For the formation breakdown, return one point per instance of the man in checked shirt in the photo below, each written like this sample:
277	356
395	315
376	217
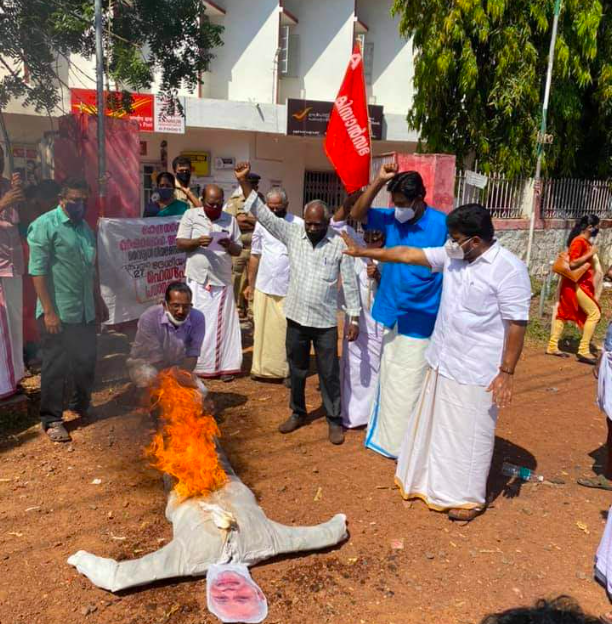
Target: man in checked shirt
316	261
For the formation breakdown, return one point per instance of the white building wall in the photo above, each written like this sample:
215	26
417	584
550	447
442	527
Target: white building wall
243	69
325	31
393	68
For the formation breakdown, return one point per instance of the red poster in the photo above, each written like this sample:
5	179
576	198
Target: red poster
143	107
347	143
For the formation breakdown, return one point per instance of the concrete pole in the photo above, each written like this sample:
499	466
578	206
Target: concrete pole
100	104
541	137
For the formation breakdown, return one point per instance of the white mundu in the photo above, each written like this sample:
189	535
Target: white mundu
446	453
271	286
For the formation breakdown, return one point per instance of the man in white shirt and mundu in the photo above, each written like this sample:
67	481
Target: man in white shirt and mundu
476	344
268	283
211	237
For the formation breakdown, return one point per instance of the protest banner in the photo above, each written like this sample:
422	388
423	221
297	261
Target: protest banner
138	258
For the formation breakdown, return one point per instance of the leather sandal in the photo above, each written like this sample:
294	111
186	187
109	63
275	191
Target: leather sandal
465	515
560	354
57	432
586	360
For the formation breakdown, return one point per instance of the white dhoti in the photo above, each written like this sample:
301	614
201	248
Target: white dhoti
221	352
603	558
402	371
359	369
446	454
11	334
269	349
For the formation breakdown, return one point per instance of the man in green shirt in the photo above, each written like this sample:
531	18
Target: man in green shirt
63	268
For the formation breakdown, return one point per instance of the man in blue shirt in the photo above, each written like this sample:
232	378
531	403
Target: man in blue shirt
406	302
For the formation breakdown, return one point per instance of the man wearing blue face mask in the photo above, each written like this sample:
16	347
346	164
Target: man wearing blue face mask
63	269
406	302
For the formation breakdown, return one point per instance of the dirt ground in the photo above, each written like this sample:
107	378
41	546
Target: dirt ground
535	540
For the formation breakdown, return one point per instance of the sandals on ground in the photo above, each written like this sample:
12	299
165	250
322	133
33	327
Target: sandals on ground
560	354
57	432
466	515
599	482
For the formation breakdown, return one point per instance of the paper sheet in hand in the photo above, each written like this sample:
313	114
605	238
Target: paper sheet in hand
216	237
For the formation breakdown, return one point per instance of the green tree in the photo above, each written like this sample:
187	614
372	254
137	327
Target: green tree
142	38
480	67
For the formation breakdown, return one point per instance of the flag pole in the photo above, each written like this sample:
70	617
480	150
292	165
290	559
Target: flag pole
542	133
100	105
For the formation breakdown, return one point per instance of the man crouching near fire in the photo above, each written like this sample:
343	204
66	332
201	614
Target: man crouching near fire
169	335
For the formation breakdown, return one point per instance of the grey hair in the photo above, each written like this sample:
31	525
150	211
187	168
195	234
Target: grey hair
319	202
277	191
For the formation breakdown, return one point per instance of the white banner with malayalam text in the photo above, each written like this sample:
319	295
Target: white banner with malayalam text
138	258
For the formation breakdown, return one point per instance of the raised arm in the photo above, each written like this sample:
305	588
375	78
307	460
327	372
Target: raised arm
404	255
359	211
279	228
344	212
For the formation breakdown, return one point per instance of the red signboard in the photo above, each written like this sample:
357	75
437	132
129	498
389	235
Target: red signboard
143	107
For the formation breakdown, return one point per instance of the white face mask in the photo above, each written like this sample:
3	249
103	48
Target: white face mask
404	214
175	321
454	250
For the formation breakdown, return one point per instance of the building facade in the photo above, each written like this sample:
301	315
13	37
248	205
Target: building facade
275	53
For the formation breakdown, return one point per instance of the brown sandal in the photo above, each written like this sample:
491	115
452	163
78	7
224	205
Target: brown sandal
57	432
465	515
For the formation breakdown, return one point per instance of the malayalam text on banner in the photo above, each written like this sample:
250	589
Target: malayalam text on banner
138	258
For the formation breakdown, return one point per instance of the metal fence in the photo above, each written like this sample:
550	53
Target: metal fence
570	199
502	196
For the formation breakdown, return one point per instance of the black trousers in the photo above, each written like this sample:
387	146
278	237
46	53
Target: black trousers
325	342
71	354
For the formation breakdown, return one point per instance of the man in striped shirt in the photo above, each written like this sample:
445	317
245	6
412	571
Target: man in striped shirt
316	261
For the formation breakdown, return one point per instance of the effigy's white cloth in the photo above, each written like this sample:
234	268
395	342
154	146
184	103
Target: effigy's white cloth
221	352
201	537
360	363
446	454
402	371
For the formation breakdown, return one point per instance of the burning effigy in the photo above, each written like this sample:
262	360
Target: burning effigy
215	517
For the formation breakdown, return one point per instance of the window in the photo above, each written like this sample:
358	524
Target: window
289	53
367	49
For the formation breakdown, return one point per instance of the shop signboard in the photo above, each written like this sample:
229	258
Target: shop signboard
147	109
309	118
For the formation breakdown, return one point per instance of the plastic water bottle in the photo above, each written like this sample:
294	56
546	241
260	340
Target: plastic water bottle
510	470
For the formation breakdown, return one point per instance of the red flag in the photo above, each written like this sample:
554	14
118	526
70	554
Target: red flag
347	143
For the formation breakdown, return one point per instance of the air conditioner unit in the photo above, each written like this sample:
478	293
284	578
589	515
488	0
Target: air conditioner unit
222	162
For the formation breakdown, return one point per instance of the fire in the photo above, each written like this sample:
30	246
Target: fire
185	445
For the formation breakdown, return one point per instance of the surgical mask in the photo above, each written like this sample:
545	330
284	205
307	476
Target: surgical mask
75	210
213	212
404	215
174	320
184	177
165	194
454	250
316	237
281	214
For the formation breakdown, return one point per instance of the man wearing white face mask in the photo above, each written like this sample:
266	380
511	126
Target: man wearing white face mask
406	302
476	344
169	334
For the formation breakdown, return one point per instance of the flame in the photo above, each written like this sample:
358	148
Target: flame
185	446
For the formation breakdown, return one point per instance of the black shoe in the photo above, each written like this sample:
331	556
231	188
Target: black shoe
586	360
336	434
291	424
